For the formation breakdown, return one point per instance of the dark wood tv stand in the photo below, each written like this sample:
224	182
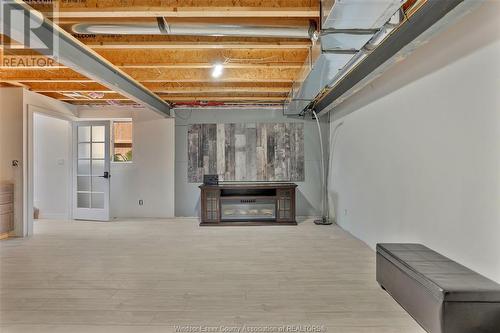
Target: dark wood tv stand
235	203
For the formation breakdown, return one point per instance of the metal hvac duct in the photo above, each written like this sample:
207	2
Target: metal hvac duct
377	56
351	29
194	29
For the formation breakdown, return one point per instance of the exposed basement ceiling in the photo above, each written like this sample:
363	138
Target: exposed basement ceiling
279	52
178	68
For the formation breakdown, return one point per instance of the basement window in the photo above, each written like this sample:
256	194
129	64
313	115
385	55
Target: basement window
122	141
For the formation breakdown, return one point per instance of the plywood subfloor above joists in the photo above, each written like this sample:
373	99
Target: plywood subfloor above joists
179	68
154	58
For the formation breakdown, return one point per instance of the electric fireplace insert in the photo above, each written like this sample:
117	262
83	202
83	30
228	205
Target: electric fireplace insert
235	203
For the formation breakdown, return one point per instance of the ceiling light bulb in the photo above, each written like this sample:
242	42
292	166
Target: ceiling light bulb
217	70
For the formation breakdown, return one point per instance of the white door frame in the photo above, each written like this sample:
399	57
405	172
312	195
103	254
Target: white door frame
28	170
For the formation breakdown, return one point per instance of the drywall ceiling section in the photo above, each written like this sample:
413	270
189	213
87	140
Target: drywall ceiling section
358	14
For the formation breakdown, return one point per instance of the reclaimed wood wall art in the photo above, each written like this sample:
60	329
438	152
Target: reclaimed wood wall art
246	152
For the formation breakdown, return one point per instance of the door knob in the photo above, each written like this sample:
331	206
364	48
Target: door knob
106	175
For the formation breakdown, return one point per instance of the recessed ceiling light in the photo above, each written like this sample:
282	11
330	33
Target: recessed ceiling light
217	70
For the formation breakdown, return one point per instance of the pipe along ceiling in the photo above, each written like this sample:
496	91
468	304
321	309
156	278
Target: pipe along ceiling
162	27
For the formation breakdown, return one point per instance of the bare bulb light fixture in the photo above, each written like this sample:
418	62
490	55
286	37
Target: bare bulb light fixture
217	70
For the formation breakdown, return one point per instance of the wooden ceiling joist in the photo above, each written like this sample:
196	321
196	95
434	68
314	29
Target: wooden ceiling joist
128	103
239	58
166	87
189	99
67	22
192	43
13	84
183	91
189	8
158	75
225	98
231	57
189	42
185	96
188	12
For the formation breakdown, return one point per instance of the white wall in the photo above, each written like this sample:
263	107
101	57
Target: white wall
11	146
34	103
52	166
17	105
418	156
150	177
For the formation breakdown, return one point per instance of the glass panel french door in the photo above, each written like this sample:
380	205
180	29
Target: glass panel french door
91	165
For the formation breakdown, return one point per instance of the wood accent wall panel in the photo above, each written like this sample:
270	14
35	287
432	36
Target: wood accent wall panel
246	151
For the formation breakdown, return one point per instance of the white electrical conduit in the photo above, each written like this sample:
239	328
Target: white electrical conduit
324	193
325	209
333	141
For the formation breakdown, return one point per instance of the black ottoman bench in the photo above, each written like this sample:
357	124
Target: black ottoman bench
440	294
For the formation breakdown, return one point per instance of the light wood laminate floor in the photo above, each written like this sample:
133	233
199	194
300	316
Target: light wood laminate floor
151	275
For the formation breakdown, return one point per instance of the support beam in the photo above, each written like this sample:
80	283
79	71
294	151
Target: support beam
74	54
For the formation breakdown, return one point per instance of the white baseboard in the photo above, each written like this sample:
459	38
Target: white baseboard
299	218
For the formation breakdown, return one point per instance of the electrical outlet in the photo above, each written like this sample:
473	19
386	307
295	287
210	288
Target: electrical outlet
345	212
141	202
